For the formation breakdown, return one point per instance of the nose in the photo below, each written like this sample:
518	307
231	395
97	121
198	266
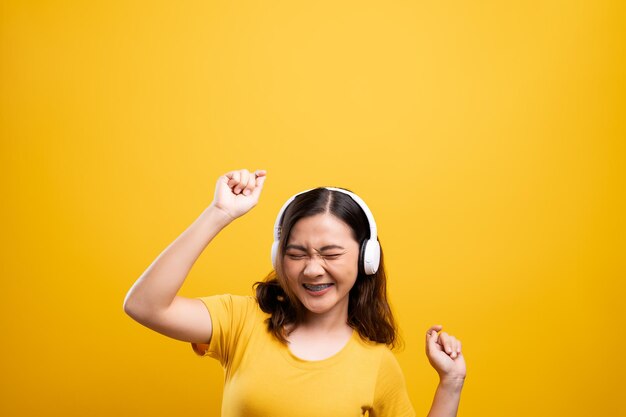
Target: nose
313	267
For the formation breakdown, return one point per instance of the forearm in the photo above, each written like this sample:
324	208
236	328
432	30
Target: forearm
158	285
447	398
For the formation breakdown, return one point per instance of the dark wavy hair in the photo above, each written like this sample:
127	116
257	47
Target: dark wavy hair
369	312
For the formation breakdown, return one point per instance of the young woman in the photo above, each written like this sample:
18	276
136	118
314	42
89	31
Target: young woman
316	338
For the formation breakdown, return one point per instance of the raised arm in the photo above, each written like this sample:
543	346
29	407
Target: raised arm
153	300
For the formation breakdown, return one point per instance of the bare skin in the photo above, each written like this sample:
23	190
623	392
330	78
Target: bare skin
153	300
320	250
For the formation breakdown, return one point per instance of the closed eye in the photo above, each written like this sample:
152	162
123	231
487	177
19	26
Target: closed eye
299	256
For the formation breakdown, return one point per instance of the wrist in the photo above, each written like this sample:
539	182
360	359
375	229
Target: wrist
218	215
452	383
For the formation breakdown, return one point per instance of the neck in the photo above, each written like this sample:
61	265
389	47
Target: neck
329	322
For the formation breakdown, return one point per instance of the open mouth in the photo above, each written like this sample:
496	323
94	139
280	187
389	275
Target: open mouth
316	288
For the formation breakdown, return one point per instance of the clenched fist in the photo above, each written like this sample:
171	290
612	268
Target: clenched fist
237	192
444	353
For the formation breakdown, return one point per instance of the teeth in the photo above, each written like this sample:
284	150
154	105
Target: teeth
316	287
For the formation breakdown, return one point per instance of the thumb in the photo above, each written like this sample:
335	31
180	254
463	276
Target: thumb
432	334
260	176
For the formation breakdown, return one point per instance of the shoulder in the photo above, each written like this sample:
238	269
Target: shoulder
370	346
231	306
233	318
230	301
378	354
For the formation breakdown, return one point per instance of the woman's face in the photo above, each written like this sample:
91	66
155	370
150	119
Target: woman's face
321	263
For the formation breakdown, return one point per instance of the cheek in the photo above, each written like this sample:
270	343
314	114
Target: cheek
352	262
290	270
348	267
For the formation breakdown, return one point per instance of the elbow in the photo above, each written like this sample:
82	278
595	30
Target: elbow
126	307
139	311
130	307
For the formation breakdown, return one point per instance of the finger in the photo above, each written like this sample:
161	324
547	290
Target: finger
250	185
233	179
445	340
260	176
243	181
431	334
451	344
434	328
454	346
432	337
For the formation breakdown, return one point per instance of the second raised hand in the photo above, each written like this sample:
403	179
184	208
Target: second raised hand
444	354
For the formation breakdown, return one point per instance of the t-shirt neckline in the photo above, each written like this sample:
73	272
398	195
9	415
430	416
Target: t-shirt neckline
321	363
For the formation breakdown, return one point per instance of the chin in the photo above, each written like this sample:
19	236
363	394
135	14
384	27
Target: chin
317	309
320	306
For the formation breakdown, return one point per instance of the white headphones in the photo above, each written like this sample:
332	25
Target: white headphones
369	255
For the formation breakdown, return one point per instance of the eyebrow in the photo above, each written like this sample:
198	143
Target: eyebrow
302	248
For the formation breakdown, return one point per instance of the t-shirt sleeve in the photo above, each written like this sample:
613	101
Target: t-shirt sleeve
391	398
229	315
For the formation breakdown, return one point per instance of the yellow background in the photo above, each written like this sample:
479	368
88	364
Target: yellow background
487	137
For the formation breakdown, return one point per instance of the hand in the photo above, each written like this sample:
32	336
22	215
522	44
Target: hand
444	354
237	192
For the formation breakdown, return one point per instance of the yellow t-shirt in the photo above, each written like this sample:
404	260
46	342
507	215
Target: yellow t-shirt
264	379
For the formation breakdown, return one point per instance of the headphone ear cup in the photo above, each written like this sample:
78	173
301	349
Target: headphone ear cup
274	253
371	256
362	257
